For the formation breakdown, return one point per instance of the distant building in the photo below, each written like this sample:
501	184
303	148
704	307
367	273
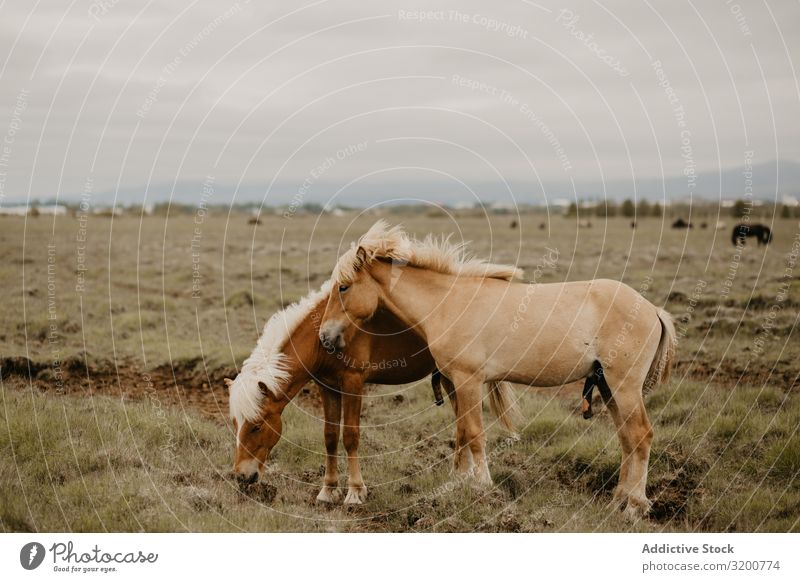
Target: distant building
107	211
19	210
25	209
788	200
52	209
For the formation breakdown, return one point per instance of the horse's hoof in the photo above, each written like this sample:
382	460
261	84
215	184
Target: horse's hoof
328	495
356	495
461	473
637	508
484	482
619	499
481	479
463	468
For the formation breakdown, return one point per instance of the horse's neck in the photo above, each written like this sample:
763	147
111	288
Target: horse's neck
413	294
302	351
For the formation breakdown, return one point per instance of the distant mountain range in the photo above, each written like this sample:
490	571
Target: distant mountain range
771	181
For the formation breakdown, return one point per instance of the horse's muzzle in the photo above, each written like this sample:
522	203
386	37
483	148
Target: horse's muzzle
332	337
247	479
246	471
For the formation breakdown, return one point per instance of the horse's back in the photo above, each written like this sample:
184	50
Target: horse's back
557	331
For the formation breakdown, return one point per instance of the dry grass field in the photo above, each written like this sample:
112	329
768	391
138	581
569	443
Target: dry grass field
114	416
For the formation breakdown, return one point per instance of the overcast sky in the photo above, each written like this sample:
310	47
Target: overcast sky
117	94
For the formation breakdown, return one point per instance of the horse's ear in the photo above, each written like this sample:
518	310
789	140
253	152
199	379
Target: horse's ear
361	258
228	383
267	392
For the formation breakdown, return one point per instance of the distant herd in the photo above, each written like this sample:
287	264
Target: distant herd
741	231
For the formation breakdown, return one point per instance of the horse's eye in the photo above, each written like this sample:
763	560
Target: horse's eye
343	288
256	428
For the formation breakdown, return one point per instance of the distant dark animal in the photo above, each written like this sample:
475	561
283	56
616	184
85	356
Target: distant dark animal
542	226
513	224
254	220
704	225
741	231
681	223
633	224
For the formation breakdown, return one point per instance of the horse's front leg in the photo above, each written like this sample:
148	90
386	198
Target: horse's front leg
332	406
462	457
469	423
352	389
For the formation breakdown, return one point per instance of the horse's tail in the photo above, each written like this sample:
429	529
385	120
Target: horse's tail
503	403
662	361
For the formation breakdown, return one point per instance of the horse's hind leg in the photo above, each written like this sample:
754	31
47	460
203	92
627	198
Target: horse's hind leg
635	435
351	406
621	490
332	406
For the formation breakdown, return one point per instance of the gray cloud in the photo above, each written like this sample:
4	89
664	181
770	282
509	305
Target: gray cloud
476	92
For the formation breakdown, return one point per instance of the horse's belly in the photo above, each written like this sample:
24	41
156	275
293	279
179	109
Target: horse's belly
550	343
541	335
542	367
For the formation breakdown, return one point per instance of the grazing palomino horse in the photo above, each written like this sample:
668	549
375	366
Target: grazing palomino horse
742	231
289	355
487	330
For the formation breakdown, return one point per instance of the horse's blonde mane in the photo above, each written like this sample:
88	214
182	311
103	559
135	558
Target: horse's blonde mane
437	254
267	362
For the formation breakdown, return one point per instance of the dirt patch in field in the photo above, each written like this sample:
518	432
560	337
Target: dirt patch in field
673	492
260	492
782	373
187	385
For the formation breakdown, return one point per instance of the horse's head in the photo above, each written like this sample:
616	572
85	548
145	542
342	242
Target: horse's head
257	433
353	300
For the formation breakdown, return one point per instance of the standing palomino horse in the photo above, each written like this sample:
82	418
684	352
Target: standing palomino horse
485	330
289	355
